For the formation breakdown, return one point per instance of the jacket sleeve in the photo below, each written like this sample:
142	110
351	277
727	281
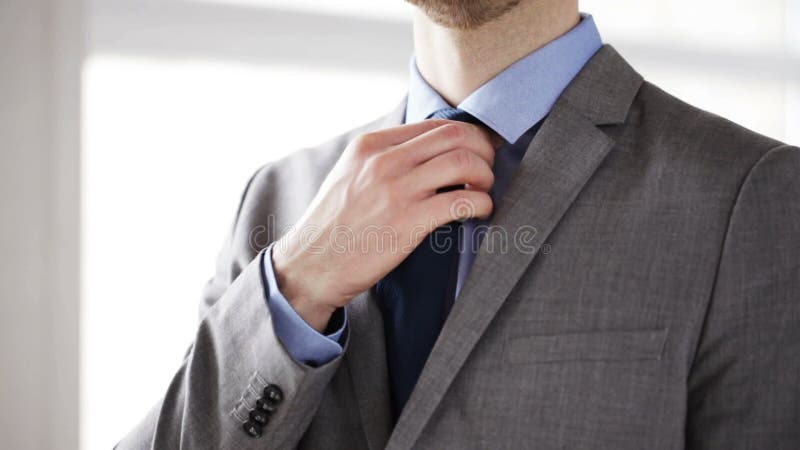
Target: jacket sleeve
303	342
744	385
238	386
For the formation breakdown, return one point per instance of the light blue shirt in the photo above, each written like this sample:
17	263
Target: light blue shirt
510	104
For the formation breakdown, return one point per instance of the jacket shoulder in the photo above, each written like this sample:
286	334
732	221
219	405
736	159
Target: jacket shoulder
675	157
678	122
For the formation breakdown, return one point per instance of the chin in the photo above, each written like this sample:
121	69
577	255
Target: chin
460	14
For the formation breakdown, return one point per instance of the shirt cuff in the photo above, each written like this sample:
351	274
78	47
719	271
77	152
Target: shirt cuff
304	343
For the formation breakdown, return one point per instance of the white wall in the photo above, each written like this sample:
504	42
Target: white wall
40	49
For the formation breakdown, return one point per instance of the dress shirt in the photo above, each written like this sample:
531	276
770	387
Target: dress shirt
511	104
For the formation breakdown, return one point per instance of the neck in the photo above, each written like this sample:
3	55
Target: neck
456	62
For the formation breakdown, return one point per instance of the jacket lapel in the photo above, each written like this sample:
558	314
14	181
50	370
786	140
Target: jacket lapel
562	157
366	363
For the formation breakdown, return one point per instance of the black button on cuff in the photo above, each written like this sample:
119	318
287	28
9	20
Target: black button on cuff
265	406
252	429
273	395
259	416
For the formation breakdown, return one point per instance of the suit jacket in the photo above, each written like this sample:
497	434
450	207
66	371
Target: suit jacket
652	302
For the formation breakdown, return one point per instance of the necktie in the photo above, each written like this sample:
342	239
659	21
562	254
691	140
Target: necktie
416	297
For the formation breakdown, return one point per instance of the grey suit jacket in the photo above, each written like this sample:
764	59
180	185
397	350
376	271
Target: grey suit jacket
652	303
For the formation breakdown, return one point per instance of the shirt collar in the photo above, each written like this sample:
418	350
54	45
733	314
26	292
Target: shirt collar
522	94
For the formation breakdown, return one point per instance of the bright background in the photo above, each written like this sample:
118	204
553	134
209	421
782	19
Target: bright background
184	100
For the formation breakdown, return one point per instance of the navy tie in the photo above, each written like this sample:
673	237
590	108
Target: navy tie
416	297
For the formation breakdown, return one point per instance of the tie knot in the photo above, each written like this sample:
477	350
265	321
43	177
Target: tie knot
454	114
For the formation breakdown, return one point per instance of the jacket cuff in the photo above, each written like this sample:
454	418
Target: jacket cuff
304	343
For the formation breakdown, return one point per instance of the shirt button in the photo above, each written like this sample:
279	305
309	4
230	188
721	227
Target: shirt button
259	416
253	429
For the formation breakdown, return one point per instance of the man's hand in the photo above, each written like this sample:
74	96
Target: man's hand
377	204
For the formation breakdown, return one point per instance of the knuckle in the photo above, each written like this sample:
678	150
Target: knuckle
379	165
454	131
463	206
461	159
363	142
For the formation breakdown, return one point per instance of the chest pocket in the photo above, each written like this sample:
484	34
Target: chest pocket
586	346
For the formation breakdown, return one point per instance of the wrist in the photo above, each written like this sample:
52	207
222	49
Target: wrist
315	314
297	288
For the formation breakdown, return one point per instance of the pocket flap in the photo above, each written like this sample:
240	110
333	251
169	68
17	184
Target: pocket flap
592	346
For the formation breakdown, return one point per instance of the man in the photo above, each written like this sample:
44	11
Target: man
627	274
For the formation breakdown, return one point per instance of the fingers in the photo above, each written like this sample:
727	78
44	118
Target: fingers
447	135
455	167
455	205
387	137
